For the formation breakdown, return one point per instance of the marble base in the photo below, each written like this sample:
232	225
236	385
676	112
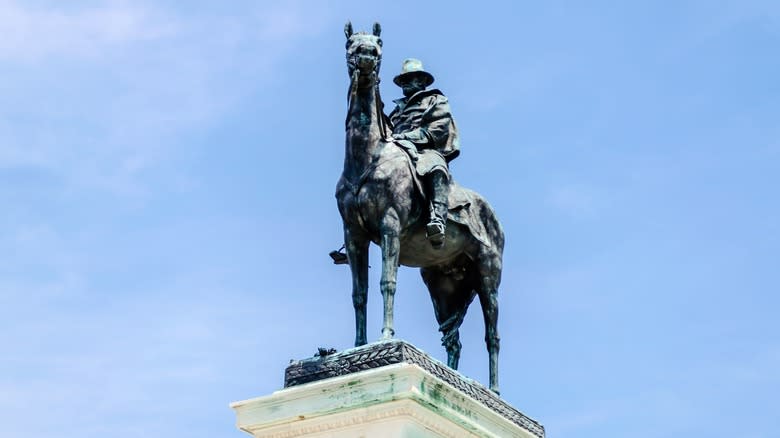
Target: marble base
399	399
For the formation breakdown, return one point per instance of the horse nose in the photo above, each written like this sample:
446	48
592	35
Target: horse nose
365	61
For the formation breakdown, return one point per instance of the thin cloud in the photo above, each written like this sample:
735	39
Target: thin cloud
104	97
34	33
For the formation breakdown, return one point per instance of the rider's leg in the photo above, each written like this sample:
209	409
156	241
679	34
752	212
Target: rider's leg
439	183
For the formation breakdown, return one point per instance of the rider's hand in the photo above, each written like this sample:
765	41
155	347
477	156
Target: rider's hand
413	153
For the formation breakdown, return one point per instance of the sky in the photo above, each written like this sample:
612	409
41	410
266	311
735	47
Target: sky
167	178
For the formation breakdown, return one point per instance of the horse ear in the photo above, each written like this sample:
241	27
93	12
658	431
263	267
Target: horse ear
377	29
348	29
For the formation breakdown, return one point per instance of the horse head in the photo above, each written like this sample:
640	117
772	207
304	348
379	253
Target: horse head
364	55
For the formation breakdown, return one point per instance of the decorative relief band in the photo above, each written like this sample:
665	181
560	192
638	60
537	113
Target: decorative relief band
351	420
392	352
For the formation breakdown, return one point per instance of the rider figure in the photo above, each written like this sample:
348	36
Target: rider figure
423	125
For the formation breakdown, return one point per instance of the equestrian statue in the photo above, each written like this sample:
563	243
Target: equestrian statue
396	190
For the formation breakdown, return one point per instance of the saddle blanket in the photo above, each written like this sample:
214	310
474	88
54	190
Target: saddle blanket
463	204
464	210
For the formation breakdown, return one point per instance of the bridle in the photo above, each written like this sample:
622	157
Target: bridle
354	85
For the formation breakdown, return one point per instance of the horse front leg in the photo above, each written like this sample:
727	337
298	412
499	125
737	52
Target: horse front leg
391	245
357	254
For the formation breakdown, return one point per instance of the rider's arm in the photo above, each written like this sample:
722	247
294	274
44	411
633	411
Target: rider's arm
421	136
437	123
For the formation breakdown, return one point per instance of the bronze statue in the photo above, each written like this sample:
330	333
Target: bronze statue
382	199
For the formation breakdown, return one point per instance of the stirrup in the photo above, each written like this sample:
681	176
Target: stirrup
339	258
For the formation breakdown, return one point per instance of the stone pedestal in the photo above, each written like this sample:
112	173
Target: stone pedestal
382	390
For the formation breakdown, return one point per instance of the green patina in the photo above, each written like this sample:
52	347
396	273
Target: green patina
353	392
438	396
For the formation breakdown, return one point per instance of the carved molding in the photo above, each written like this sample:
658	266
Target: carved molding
400	409
385	353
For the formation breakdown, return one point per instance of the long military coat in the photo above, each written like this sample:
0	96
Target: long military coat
425	120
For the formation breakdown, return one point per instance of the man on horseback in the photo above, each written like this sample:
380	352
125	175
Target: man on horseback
423	125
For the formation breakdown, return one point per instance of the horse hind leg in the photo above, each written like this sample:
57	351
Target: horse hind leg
490	272
451	338
451	297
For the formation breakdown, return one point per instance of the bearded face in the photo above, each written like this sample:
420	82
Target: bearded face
413	85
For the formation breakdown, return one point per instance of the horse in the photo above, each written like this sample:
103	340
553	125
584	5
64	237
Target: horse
380	201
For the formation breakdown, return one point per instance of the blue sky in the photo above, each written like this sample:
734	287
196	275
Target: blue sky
167	172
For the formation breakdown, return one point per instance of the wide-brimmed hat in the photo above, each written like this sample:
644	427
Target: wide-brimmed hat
412	68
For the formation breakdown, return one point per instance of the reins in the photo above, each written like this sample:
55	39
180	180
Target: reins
353	87
380	114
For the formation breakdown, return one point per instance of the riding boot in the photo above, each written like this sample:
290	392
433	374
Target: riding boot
439	185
